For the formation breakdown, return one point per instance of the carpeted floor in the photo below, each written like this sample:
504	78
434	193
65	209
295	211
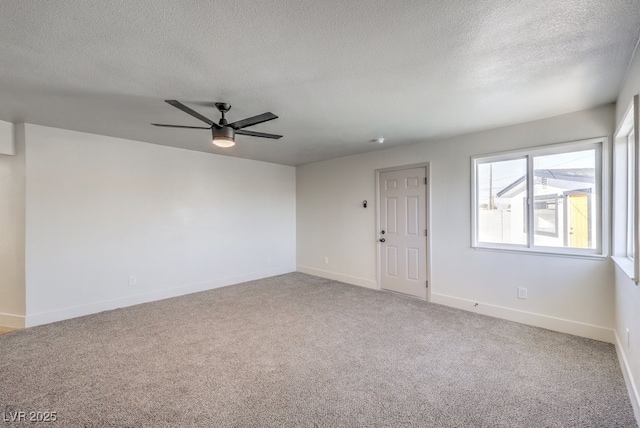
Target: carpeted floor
301	351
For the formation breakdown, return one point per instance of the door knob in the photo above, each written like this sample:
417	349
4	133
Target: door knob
382	239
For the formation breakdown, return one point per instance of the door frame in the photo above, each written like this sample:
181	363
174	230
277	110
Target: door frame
427	199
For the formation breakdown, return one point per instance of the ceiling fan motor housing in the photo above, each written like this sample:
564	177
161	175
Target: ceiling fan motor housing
225	132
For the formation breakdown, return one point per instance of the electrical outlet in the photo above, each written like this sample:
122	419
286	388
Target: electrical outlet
133	280
326	260
522	293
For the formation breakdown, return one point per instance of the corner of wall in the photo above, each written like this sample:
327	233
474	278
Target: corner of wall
348	279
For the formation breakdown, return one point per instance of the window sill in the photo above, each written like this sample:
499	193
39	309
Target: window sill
624	263
528	251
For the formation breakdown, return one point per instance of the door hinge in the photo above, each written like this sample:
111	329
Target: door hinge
426	232
427	284
425	180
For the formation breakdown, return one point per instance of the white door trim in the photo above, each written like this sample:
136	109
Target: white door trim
427	166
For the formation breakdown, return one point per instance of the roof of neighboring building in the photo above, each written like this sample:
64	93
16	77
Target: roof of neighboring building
581	175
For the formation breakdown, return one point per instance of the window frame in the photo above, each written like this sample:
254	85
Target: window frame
626	192
601	146
631	194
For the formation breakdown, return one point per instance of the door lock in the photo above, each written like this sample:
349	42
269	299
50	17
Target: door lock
383	232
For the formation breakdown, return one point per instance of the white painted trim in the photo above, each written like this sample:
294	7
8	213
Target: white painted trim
628	377
625	264
636	190
107	305
429	231
354	280
620	193
538	320
13	321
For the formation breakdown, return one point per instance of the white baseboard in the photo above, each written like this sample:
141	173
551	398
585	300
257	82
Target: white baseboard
628	377
13	321
354	280
552	323
106	305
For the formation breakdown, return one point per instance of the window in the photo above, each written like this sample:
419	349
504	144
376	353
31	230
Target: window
545	199
625	182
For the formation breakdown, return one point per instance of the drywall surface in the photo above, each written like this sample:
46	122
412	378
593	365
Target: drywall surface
7	140
567	294
12	233
103	212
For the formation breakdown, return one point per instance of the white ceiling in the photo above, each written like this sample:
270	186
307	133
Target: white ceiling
338	73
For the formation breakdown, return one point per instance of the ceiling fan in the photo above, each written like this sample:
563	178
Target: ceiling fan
223	132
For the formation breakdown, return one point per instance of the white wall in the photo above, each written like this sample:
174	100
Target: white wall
99	209
12	229
630	87
7	140
627	294
567	294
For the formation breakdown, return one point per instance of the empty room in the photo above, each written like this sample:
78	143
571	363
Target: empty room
320	214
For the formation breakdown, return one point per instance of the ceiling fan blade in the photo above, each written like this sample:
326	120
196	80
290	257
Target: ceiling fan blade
184	108
264	117
258	134
179	126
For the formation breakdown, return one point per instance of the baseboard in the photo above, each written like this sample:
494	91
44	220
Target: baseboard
107	305
354	280
552	323
13	321
628	378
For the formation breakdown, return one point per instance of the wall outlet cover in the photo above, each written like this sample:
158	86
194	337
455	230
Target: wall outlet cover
522	293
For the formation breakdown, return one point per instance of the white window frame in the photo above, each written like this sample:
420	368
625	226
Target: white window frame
631	194
601	146
626	201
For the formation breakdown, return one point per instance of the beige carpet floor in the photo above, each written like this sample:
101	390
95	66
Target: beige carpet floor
301	351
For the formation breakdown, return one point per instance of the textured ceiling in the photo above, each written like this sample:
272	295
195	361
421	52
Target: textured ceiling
338	74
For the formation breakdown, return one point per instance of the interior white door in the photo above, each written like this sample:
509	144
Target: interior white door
403	231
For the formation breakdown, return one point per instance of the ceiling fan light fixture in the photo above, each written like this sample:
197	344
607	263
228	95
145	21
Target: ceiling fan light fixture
224	142
224	137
